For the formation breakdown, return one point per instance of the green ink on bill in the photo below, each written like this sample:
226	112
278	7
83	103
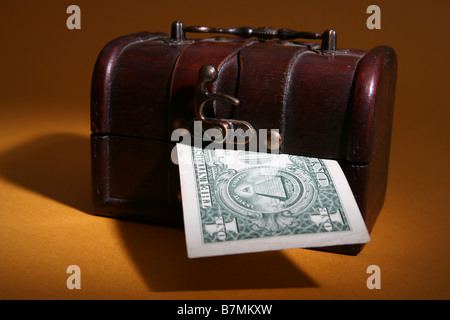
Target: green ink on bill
241	201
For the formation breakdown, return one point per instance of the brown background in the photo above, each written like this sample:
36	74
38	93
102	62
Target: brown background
45	207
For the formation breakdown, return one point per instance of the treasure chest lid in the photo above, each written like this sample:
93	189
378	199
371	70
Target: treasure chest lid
336	106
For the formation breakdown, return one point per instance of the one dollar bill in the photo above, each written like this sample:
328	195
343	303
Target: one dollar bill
241	201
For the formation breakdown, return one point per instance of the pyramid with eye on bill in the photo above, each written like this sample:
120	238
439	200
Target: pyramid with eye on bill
272	188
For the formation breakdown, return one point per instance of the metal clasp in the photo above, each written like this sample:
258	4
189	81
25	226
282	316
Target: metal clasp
232	131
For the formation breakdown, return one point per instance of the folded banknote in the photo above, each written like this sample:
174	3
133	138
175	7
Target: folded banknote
241	201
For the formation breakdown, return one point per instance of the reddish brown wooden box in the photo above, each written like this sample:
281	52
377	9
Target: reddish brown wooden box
335	105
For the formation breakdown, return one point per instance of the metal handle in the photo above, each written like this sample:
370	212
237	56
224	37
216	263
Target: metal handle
328	37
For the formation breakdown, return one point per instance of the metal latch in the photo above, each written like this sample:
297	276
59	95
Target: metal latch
241	130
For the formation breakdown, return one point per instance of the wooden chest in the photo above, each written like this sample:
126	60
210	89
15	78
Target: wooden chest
324	101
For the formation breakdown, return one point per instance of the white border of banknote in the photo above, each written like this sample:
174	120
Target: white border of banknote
193	226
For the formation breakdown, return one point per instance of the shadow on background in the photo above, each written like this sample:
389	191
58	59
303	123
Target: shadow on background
161	257
59	166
